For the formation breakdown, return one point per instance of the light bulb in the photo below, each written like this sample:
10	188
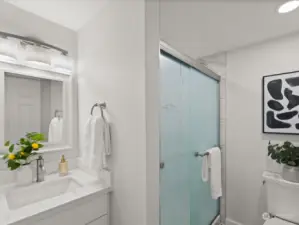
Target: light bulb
8	50
288	6
62	64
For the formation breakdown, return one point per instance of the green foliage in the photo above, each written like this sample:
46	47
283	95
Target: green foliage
12	164
20	153
34	136
285	153
11	148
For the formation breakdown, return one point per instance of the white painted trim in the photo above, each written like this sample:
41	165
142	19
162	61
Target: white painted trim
23	70
231	222
51	152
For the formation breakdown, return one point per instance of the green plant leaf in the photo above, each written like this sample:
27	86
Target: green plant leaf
5	156
13	165
7	143
285	153
40	145
22	141
34	136
11	148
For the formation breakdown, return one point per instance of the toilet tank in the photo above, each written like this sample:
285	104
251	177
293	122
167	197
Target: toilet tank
282	197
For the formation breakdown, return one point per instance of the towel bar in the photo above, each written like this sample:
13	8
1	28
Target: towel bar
196	154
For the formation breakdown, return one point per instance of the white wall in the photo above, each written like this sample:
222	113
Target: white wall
113	64
246	145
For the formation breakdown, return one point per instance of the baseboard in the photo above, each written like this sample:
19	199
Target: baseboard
231	222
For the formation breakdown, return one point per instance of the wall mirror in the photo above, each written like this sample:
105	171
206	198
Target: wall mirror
33	105
35	101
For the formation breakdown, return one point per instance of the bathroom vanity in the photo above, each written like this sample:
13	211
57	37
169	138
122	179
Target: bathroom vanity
33	99
76	199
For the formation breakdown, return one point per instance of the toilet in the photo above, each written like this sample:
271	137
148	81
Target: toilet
282	200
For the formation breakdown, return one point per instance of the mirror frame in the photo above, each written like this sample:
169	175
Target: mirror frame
69	106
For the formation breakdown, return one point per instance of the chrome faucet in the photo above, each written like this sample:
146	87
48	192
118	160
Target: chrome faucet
40	169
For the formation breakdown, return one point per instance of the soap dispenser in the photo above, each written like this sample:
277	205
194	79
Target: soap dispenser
63	166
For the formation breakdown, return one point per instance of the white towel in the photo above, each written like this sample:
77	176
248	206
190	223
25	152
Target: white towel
213	162
86	150
102	143
55	130
97	144
205	168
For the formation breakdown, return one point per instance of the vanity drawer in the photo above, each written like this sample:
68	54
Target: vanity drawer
100	221
90	211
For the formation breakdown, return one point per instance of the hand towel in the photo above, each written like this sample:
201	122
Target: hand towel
205	168
101	143
212	163
55	133
85	152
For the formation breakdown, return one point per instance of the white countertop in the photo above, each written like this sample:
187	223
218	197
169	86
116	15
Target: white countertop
89	186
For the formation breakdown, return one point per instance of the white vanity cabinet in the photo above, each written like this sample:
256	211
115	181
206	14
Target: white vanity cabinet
88	211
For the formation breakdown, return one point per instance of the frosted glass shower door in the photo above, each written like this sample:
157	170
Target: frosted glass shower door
189	123
174	176
203	134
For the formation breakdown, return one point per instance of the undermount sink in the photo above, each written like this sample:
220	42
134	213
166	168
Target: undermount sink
22	196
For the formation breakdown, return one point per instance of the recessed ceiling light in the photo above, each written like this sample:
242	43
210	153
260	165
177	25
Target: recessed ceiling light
288	6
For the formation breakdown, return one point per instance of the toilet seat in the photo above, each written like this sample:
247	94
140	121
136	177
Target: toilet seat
276	221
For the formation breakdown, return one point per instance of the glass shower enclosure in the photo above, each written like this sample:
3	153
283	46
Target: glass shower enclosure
189	123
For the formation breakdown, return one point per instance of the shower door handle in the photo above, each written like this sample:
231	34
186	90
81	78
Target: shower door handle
162	165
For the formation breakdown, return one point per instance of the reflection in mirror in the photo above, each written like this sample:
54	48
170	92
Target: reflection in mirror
33	105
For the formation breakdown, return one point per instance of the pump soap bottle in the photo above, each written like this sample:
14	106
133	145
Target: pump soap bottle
63	166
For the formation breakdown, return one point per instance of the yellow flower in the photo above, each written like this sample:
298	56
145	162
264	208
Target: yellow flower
35	146
22	153
11	156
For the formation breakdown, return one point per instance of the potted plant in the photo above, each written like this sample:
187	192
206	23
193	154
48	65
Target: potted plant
20	155
288	155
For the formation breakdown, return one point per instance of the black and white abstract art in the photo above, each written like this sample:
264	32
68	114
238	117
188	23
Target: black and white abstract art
281	103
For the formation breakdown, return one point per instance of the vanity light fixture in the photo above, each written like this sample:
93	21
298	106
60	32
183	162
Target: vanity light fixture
288	6
8	50
62	64
37	56
32	52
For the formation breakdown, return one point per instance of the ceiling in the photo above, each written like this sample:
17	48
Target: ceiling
72	14
197	28
204	27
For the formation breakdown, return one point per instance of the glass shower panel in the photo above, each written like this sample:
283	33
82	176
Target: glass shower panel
174	177
203	123
189	123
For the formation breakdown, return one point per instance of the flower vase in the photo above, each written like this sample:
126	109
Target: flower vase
24	175
290	173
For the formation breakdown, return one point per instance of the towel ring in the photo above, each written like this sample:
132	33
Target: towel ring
102	106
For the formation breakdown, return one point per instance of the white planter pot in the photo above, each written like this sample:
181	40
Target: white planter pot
24	175
290	173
